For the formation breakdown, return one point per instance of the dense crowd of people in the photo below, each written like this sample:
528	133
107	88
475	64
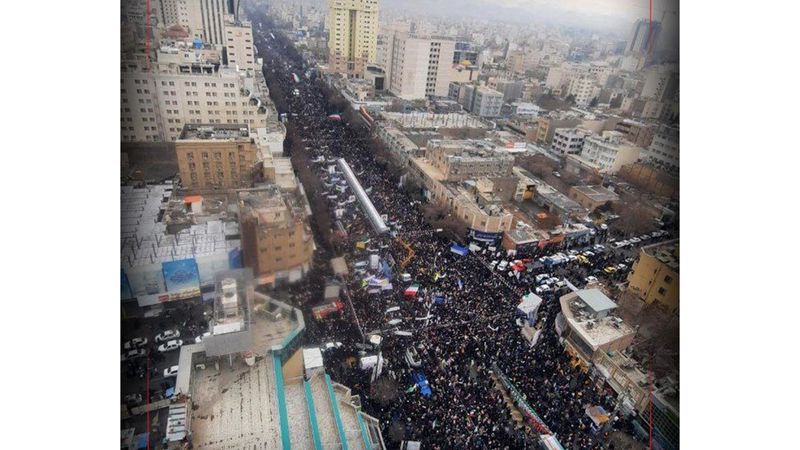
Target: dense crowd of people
462	321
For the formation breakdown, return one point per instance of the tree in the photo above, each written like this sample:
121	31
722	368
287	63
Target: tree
570	99
593	103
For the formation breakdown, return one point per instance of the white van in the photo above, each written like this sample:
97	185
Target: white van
502	266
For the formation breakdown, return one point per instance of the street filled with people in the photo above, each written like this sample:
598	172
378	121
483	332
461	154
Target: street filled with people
443	321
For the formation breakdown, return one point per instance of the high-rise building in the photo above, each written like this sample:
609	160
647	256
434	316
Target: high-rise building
568	141
642	36
155	106
661	83
212	157
663	150
421	67
239	49
204	18
352	35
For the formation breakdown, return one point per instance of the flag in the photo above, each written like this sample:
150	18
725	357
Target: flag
411	389
411	291
460	284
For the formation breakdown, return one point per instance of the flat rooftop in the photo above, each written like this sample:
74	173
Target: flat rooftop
666	252
216	131
596	300
271	206
595	331
597	193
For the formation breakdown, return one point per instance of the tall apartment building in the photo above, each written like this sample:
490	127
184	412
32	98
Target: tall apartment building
638	133
276	238
480	100
610	151
663	150
511	89
421	67
239	48
584	88
642	35
156	104
213	157
654	276
352	35
568	141
204	18
661	83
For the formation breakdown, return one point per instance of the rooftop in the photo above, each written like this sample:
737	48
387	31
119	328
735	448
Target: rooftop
597	193
218	132
593	330
271	206
666	252
596	300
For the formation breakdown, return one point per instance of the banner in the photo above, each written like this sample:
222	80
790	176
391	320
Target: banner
484	236
182	278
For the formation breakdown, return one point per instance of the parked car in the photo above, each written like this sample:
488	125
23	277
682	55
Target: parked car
542	289
621	267
412	357
167	335
171	372
502	266
541	277
170	345
135	343
133	354
200	338
610	269
591	279
635	240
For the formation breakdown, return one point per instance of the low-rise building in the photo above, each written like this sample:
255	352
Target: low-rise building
654	276
568	141
214	157
589	328
460	160
610	151
277	240
592	197
663	150
480	100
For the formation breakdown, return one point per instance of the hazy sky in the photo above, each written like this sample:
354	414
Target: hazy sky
618	15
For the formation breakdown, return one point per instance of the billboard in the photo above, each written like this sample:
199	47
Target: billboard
182	278
483	235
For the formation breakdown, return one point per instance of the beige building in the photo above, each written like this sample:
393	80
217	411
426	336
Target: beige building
584	88
547	125
216	157
610	151
421	67
239	47
204	18
155	105
639	134
475	203
592	197
654	276
353	35
589	328
276	238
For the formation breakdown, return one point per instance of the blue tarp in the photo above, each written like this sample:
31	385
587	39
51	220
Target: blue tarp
170	392
459	250
422	382
141	441
438	300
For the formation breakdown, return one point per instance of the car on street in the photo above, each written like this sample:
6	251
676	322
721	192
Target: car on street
582	259
502	266
170	345
171	372
591	279
133	354
167	335
621	267
599	247
635	240
542	289
619	244
541	277
603	226
412	358
137	342
610	269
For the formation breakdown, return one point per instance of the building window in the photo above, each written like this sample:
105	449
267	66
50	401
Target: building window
662	291
667	279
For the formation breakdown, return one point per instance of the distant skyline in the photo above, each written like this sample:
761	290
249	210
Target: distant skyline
606	15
